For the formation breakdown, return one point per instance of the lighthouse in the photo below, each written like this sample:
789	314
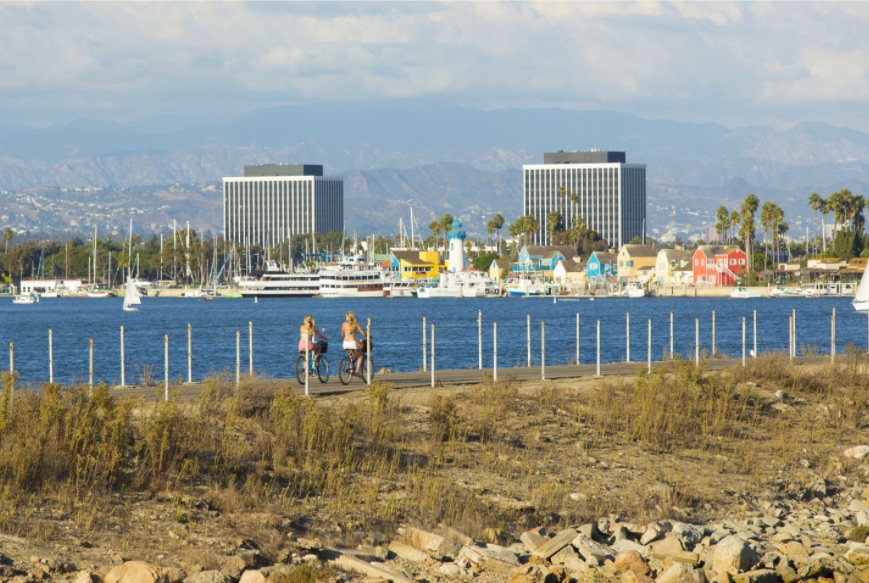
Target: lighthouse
456	237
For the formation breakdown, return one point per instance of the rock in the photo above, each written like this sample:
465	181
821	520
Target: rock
564	556
533	539
136	572
85	577
408	552
857	452
631	560
590	550
622	546
208	577
451	570
630	576
431	543
555	544
757	576
733	555
858	555
252	576
681	573
786	573
653	533
688	535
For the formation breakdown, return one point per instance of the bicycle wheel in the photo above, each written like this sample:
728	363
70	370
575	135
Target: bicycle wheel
323	369
364	371
345	370
300	369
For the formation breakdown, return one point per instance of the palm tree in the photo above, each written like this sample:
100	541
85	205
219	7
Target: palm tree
767	219
723	221
553	221
747	209
734	222
7	236
816	203
495	224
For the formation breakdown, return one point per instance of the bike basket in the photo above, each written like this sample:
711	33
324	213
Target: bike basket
324	346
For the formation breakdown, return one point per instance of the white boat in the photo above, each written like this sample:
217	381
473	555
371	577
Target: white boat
193	293
275	282
523	287
25	298
465	284
633	291
132	298
861	298
401	289
786	292
744	293
98	293
352	277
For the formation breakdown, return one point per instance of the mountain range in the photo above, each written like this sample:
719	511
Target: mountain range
429	156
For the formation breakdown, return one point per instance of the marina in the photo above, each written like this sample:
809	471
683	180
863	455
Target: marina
57	333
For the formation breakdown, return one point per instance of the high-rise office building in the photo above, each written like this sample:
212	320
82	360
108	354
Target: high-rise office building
599	186
272	202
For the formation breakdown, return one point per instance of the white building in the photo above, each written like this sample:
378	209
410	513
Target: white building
272	202
609	194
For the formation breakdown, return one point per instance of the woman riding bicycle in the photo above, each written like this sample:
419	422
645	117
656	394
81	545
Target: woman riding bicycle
349	330
307	332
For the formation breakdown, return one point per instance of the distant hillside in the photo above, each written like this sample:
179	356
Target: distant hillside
438	158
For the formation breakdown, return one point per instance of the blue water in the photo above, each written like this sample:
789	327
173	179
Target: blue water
396	330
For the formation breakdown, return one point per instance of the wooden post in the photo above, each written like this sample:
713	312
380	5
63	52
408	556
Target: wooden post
529	339
833	336
480	338
11	357
542	350
123	364
424	356
754	316
238	360
696	341
189	353
627	336
743	341
713	333
166	371
494	351
91	363
307	367
51	356
790	338
794	318
250	347
649	356
598	348
577	340
432	355
671	334
368	370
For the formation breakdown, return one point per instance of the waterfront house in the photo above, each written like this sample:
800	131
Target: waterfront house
414	264
716	265
635	261
600	265
542	259
499	270
569	274
673	267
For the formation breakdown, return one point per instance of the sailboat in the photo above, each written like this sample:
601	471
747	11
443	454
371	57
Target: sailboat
132	297
861	298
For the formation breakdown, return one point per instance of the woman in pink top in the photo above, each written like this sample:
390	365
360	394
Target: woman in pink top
307	332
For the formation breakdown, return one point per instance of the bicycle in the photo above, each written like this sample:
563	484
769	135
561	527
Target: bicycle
347	368
321	365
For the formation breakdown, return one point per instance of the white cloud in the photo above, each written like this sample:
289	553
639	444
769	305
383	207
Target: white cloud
703	61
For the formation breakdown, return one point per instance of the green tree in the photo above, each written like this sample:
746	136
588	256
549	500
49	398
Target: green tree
7	236
723	223
817	203
524	227
484	261
553	223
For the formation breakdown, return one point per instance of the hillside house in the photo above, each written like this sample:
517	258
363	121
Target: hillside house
542	259
600	265
635	262
674	267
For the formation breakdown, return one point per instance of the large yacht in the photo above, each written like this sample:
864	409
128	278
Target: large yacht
275	282
353	277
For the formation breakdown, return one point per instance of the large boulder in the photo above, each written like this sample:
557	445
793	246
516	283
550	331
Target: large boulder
733	555
136	572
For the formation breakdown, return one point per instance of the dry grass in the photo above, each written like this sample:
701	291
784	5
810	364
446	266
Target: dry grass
500	455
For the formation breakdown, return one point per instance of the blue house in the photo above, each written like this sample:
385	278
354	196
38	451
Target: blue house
602	264
542	259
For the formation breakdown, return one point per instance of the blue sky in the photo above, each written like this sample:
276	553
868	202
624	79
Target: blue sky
770	63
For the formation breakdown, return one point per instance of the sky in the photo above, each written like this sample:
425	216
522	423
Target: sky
737	64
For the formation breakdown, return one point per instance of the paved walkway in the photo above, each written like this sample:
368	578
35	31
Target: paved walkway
402	380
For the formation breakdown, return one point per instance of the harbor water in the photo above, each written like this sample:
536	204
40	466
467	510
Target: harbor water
397	332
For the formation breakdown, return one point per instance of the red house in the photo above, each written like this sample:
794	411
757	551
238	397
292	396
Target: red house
716	265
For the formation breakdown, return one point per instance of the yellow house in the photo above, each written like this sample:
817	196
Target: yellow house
635	259
415	264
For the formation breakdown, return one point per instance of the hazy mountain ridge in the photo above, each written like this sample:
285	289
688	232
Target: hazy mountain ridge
438	158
